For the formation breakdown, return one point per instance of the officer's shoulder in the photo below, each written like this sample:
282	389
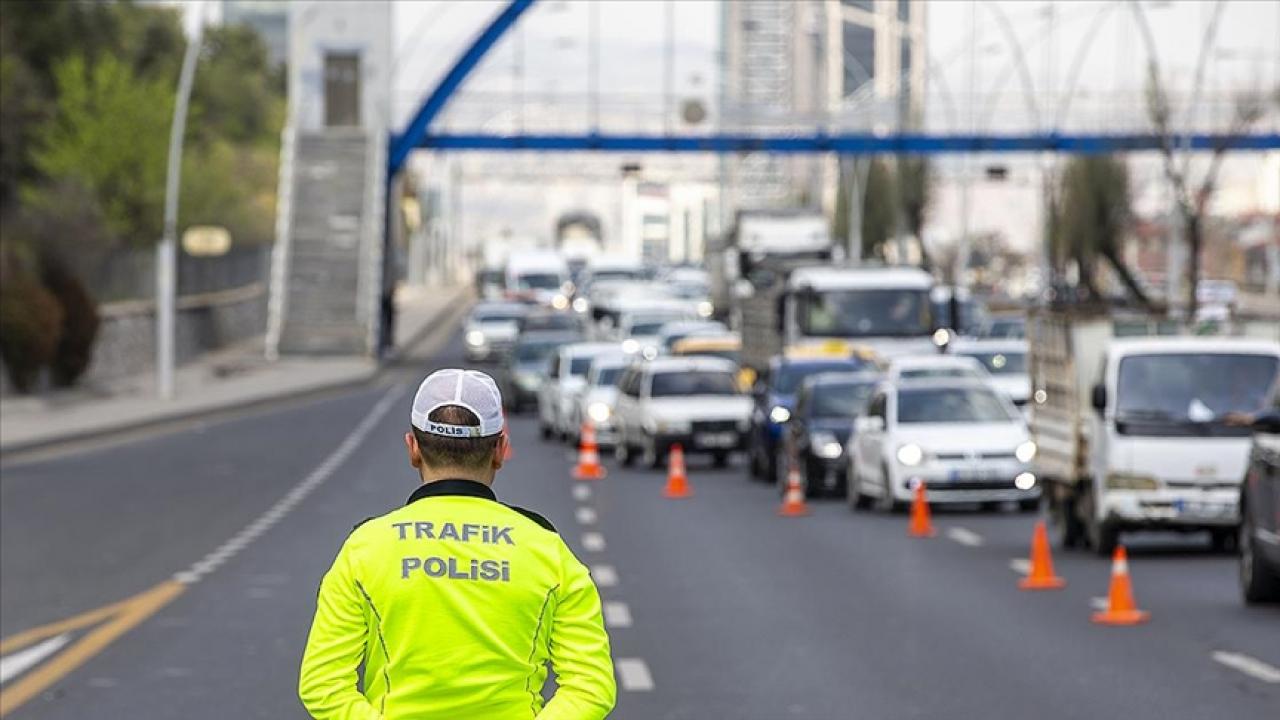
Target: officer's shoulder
542	522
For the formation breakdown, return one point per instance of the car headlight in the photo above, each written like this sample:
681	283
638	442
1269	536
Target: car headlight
1024	481
630	345
910	455
1026	452
559	302
825	445
475	338
527	381
779	414
1130	481
599	412
705	309
580	305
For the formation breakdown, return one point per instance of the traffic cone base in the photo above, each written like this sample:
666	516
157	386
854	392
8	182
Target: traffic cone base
1121	609
588	467
677	487
1041	576
793	504
921	525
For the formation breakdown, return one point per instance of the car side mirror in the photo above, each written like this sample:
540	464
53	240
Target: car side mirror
1267	422
1098	398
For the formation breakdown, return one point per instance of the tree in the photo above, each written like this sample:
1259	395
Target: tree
915	191
1091	216
1191	199
879	210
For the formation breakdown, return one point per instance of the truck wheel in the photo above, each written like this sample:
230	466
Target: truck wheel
1067	528
544	430
1103	537
1222	540
623	453
1258	582
771	467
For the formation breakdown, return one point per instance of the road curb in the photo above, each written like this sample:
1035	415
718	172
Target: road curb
450	312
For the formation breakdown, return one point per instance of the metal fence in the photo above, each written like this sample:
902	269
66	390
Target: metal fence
129	274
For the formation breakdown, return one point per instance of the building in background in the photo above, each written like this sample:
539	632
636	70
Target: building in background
269	18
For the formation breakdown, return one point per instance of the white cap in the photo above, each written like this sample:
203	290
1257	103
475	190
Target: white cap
467	389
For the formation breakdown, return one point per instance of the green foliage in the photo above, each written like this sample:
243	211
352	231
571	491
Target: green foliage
879	209
111	135
1092	215
79	327
915	193
245	207
30	325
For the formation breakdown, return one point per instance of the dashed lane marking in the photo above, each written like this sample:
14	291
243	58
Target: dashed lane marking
617	614
604	575
1252	667
964	536
115	619
1022	566
581	493
593	541
633	674
297	494
585	516
17	663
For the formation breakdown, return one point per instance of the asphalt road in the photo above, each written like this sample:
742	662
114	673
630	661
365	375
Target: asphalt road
717	606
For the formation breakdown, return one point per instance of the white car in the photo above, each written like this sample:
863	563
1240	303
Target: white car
1005	361
691	401
491	329
600	396
964	439
920	367
566	380
674	332
639	328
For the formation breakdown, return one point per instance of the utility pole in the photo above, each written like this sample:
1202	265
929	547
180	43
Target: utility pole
167	250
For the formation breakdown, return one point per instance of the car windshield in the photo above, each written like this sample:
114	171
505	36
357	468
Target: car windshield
788	376
867	313
549	322
497	316
1192	388
616	274
951	405
696	382
1001	363
490	277
534	352
842	400
938	372
972	315
579	366
1009	328
539	281
608	376
650	324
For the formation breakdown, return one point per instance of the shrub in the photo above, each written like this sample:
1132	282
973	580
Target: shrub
79	320
30	326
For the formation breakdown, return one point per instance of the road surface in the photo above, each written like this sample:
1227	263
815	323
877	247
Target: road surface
174	575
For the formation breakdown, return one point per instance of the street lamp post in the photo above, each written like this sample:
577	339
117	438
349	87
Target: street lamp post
167	251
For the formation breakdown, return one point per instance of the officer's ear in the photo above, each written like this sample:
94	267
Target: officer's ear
415	453
500	452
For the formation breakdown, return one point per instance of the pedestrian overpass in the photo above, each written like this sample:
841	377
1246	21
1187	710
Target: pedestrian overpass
330	268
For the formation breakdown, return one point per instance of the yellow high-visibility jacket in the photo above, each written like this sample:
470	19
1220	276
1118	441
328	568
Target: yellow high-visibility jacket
454	603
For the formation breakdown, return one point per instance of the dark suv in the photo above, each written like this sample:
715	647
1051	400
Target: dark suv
1260	509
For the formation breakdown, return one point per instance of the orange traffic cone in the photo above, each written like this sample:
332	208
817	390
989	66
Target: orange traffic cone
793	504
921	525
1041	576
1121	609
677	480
589	467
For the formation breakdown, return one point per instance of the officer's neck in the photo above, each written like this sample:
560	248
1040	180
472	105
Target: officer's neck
436	474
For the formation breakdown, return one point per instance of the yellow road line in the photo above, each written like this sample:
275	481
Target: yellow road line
124	616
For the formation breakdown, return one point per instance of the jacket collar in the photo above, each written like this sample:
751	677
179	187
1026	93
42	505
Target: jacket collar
452	487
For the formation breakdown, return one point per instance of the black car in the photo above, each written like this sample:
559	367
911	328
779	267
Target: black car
1260	510
819	429
525	368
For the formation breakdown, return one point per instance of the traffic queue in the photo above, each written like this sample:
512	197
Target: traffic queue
871	399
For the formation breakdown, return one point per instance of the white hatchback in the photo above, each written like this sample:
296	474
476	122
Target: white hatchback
961	437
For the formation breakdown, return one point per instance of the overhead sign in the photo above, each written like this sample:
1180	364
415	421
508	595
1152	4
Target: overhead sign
206	241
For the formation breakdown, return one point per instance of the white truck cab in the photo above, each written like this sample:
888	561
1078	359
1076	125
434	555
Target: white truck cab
1140	434
538	275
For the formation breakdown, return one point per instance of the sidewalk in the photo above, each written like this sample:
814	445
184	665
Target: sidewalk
235	376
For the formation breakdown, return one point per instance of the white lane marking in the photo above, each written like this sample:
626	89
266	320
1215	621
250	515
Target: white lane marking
1099	603
617	614
964	536
604	575
1252	667
14	664
297	494
1022	566
634	675
593	541
581	493
585	515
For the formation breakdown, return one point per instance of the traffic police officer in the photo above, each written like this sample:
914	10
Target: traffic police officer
455	603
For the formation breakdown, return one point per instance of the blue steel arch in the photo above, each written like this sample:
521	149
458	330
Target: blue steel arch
416	134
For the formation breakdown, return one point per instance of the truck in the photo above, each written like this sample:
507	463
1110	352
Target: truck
1141	432
764	242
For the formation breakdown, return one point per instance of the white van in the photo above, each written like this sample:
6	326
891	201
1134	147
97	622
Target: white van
540	276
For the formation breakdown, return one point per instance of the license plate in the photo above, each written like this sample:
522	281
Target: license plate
716	440
971	476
